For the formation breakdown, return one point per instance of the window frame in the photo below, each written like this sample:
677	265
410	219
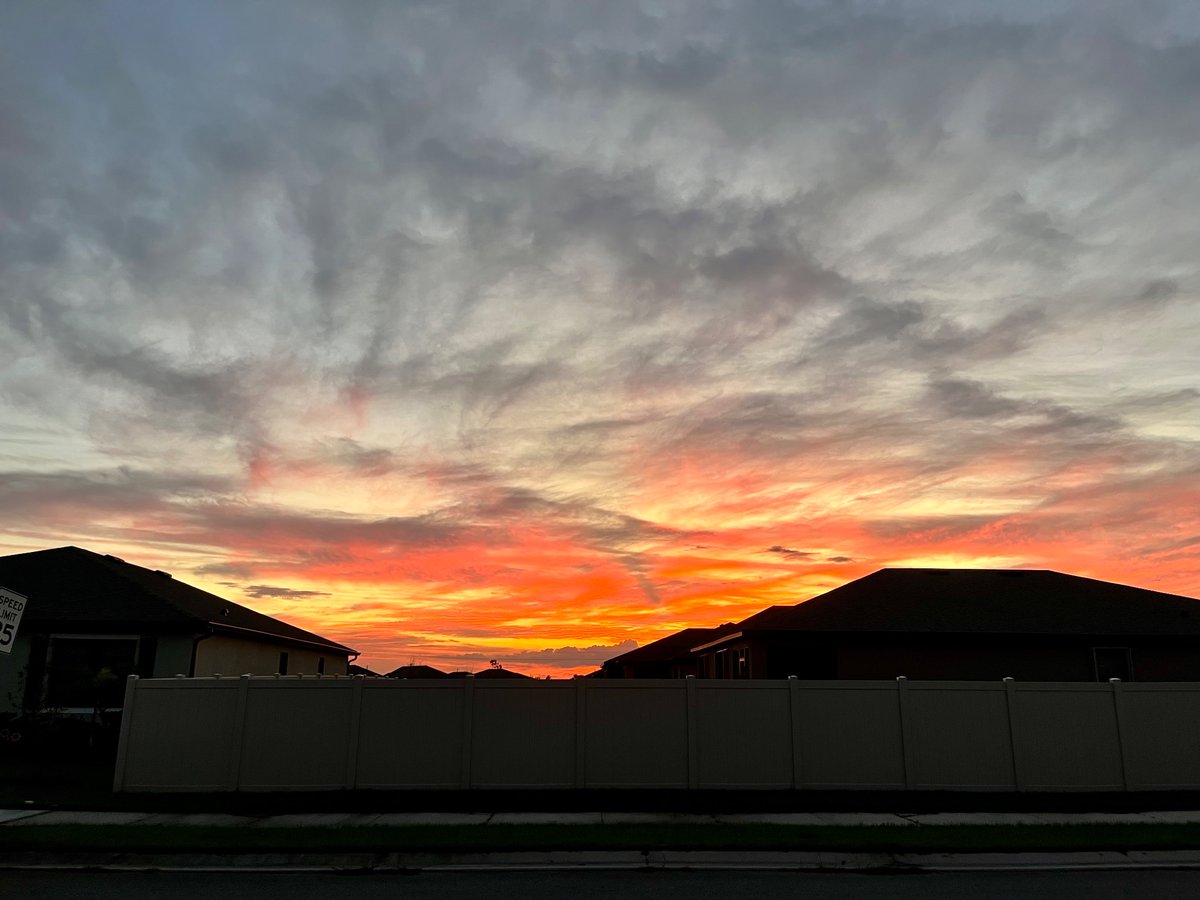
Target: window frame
48	665
1128	662
741	662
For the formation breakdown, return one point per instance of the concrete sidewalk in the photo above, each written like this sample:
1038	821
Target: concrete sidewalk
798	860
557	860
15	818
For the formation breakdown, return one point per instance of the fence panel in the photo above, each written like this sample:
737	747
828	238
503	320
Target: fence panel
1160	732
1067	737
850	735
295	735
636	734
410	734
182	736
523	735
743	735
958	736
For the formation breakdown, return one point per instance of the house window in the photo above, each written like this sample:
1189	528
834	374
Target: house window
283	658
721	661
1112	662
741	663
320	665
88	672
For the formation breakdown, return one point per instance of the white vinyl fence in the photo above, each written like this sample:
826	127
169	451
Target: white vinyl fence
310	733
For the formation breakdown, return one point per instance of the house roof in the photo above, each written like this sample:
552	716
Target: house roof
71	587
984	601
417	672
673	646
500	673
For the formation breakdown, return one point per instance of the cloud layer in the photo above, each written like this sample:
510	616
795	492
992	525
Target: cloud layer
524	331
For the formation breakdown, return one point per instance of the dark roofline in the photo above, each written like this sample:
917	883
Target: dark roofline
173	605
668	647
959	636
985	601
1017	572
732	636
269	637
419	670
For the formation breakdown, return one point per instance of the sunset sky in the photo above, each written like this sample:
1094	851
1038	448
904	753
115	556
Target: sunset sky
536	331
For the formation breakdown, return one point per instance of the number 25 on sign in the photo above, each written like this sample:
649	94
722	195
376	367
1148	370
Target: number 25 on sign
12	606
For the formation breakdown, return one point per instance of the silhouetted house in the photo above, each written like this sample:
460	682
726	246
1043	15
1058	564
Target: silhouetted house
417	672
354	669
970	624
92	619
668	657
499	673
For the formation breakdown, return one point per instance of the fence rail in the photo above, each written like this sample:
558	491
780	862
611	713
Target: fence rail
308	733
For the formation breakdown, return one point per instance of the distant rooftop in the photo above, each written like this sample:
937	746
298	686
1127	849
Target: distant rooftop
417	671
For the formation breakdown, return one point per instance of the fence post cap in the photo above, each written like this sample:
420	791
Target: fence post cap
1008	678
902	678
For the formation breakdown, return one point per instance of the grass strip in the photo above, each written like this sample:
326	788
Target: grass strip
516	838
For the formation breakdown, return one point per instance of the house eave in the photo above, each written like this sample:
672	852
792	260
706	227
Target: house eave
271	638
721	640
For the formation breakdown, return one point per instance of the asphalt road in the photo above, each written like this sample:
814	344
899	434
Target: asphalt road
601	885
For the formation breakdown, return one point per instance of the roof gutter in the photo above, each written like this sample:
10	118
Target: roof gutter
272	637
721	640
195	648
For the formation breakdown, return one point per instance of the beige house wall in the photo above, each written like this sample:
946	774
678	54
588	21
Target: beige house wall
224	655
173	655
218	654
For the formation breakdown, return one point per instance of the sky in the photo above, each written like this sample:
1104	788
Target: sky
537	331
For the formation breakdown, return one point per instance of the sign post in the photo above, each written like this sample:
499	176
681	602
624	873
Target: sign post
12	607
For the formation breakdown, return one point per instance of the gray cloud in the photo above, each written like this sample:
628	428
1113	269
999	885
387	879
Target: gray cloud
569	657
790	553
258	591
969	399
1159	289
28	493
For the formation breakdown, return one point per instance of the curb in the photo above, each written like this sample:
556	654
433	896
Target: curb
391	863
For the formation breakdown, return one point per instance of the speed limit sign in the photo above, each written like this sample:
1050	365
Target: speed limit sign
12	606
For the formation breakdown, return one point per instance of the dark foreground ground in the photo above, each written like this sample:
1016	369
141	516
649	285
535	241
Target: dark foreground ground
86	784
602	885
364	847
29	782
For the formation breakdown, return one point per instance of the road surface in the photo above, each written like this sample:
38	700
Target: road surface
601	885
